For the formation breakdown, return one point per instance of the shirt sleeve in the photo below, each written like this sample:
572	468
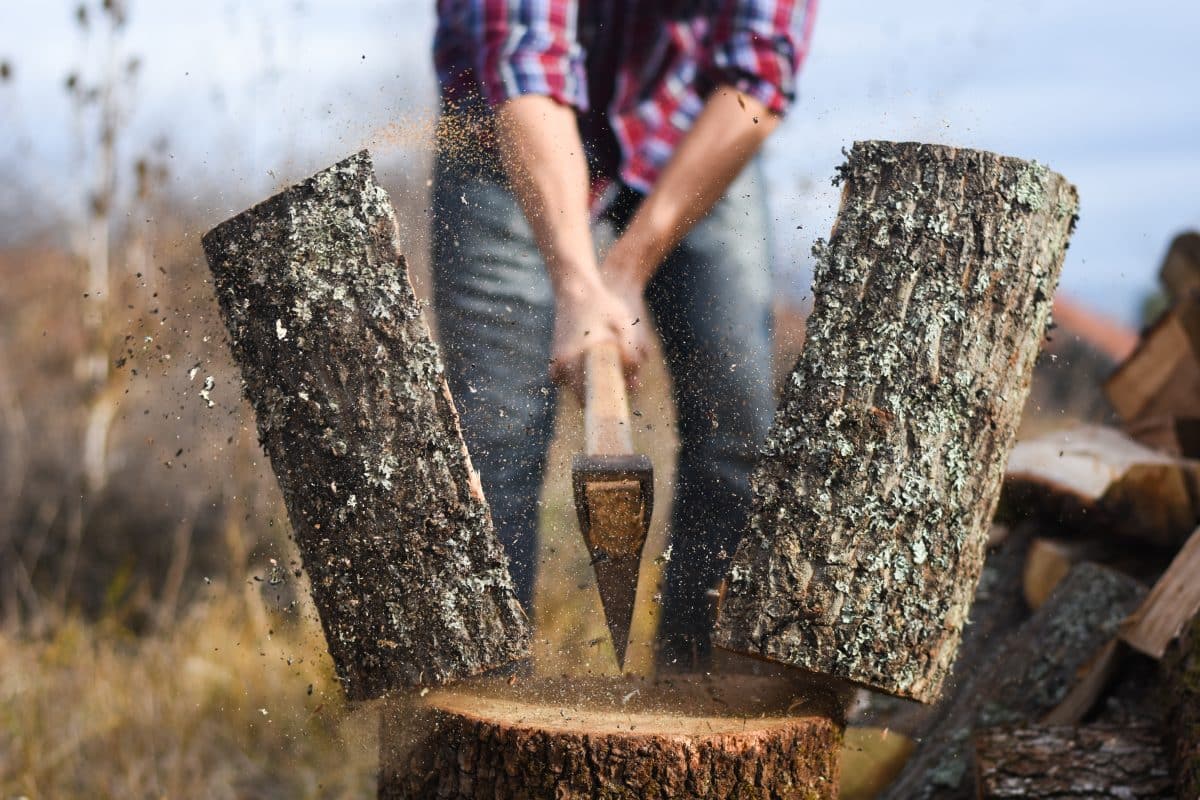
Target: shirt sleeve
529	47
754	49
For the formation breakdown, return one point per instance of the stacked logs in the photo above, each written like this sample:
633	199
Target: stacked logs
1093	693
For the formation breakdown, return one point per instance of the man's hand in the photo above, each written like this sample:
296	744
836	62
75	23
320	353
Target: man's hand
586	317
543	156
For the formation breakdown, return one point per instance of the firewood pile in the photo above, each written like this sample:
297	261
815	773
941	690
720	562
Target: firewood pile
1079	674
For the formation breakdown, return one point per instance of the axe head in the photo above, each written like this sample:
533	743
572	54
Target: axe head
614	498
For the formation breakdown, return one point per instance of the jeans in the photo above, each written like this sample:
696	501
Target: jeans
710	300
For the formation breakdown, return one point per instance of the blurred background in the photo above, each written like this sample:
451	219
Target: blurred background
155	638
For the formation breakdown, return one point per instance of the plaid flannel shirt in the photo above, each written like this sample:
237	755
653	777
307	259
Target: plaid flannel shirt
636	72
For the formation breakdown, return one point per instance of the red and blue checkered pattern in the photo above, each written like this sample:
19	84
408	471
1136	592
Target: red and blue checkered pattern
637	72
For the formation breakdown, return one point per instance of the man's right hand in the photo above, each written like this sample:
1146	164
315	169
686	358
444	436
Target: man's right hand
585	316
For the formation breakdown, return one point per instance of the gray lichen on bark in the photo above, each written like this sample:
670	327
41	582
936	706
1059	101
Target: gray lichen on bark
880	475
409	579
1092	762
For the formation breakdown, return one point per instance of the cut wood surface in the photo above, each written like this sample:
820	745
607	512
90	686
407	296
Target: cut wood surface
1091	478
1180	271
1180	670
689	737
1087	763
880	475
1047	563
1162	377
1025	678
1171	604
409	579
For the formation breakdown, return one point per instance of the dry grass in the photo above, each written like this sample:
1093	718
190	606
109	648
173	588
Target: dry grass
220	706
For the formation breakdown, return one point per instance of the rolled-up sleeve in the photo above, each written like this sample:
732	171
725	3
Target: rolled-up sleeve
529	47
757	46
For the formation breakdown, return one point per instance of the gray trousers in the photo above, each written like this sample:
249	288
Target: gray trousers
711	305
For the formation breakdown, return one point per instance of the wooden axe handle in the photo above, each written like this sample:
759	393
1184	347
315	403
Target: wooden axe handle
606	426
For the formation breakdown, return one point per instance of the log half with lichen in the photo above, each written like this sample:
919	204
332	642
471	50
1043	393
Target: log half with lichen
409	579
880	475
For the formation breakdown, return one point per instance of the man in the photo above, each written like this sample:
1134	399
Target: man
649	113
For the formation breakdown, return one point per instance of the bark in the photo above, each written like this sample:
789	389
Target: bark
1180	271
879	478
621	740
1088	763
411	584
1092	479
997	611
1180	670
1025	678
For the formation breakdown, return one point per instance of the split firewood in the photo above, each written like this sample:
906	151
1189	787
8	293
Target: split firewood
1162	377
409	579
1175	436
1172	603
1048	562
1180	670
1180	271
684	738
1088	763
879	478
998	610
1092	478
1026	677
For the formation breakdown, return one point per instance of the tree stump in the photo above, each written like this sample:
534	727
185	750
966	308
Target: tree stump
688	737
1088	763
410	581
879	478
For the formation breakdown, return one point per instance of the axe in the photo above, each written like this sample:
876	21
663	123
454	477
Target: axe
614	490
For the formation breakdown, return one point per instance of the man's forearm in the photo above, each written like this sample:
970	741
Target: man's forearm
543	156
725	136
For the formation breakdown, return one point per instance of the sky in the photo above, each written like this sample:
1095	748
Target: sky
253	95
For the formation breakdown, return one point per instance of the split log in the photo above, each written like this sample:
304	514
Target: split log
1162	377
998	610
879	478
1175	436
1028	676
1092	478
1172	603
1180	271
409	579
1047	564
1088	763
689	737
1180	669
